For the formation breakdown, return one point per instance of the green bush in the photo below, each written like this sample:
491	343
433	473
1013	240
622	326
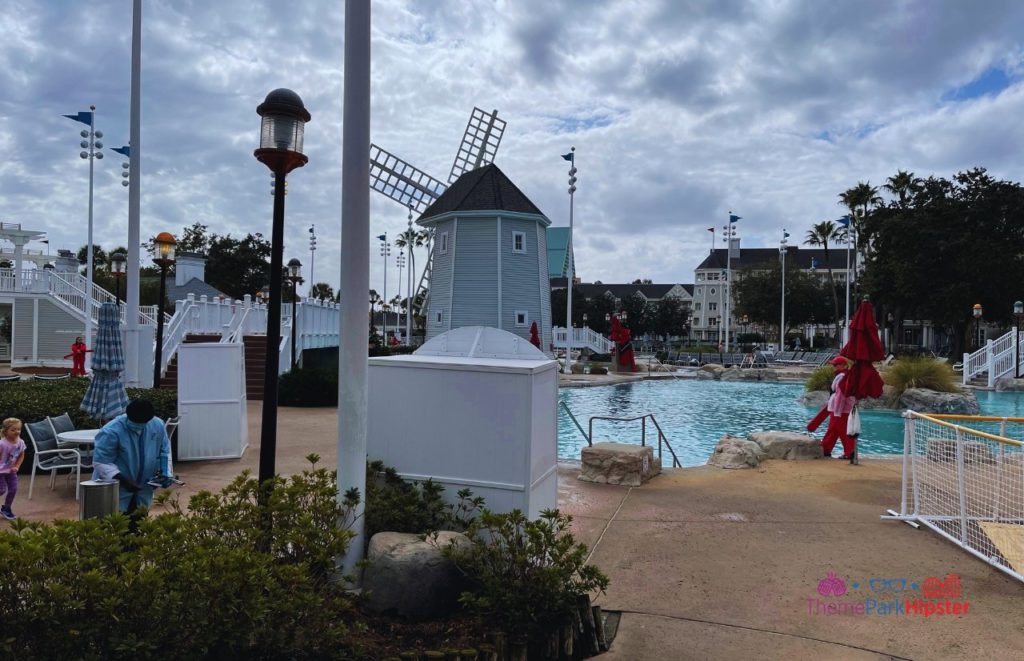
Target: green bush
32	401
920	372
525	575
308	387
394	505
820	379
209	583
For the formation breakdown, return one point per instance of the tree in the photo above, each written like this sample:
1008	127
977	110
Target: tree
194	239
637	317
322	290
642	281
759	296
819	235
902	185
99	256
669	317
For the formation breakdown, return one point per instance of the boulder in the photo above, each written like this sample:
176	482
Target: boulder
886	401
786	445
734	452
705	375
931	401
734	373
619	463
814	398
411	577
1009	384
944	450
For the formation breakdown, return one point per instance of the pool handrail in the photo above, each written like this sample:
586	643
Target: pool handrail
575	421
662	439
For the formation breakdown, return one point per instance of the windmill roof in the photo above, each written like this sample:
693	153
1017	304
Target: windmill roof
484	189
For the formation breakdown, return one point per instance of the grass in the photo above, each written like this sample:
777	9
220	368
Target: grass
920	372
820	379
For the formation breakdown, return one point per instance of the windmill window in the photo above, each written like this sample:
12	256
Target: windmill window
522	318
712	291
444	243
438	316
519	242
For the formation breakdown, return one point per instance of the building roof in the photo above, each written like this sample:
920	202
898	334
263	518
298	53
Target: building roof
193	286
558	248
483	189
759	256
651	292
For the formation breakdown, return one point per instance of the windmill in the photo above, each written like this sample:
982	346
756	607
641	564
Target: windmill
416	190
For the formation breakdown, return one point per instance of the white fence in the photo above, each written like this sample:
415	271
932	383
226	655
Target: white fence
996	359
582	338
963	477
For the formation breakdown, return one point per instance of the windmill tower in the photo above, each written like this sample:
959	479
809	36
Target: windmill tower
416	190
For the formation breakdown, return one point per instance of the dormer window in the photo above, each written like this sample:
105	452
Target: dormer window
443	243
519	242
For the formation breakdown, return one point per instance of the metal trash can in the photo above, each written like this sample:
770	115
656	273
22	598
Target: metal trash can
99	499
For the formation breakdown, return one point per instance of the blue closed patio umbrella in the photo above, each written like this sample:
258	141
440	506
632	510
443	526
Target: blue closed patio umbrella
106	398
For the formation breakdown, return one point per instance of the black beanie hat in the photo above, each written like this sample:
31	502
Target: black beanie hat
140	411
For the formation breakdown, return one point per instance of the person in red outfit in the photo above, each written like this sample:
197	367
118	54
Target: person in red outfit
77	356
621	336
839	407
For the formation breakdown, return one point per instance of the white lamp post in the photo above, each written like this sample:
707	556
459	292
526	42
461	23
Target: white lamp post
410	241
385	252
312	250
782	256
400	262
571	157
730	234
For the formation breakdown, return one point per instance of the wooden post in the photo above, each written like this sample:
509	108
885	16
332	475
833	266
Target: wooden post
497	639
567	636
488	653
591	645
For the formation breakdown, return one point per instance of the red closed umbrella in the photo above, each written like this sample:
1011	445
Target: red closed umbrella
864	349
534	335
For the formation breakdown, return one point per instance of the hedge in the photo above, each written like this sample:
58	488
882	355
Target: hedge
32	401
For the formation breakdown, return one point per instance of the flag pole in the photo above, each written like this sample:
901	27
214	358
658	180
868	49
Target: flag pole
571	157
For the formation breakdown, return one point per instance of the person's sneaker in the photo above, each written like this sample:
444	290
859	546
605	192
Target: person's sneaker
7	513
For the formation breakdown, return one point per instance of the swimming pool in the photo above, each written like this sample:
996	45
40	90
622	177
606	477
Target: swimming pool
695	414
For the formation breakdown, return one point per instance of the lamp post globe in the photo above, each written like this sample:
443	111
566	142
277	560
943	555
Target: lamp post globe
163	245
118	268
283	119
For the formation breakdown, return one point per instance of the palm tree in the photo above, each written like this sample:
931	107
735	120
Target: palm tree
819	235
901	184
408	240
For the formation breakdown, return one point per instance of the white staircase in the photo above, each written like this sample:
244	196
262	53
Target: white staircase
582	338
993	361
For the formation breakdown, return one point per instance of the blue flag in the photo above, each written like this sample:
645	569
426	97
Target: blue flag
85	117
571	157
733	219
814	263
383	237
844	221
125	151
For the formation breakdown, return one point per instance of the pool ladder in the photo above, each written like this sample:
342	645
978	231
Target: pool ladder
662	438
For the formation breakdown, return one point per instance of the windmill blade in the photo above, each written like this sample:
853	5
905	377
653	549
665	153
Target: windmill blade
402	182
479	143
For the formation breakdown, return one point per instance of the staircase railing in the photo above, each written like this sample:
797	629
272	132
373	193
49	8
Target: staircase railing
582	338
182	323
662	439
996	358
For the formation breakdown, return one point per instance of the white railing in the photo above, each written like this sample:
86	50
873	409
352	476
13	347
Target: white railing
962	479
182	323
995	359
582	338
5	351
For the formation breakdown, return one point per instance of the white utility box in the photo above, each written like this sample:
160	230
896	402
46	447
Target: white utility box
211	401
473	408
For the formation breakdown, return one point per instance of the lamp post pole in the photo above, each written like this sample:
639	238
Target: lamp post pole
410	240
977	311
571	157
164	244
730	233
282	127
295	276
385	252
118	262
312	251
782	322
1018	314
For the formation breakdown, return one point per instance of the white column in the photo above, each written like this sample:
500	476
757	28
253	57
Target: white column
134	374
19	276
355	268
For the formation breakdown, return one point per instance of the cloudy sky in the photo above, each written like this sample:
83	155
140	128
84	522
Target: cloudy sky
679	112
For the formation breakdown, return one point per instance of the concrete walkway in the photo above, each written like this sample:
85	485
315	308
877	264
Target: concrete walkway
714	564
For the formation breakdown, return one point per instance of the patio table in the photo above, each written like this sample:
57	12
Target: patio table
82	437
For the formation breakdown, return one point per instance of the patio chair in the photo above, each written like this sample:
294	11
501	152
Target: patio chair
51	377
49	457
171	425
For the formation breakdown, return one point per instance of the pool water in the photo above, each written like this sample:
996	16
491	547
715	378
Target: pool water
695	414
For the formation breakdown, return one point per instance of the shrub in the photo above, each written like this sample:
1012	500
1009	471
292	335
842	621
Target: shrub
309	387
577	368
209	583
920	372
601	357
394	505
820	379
32	401
525	575
598	369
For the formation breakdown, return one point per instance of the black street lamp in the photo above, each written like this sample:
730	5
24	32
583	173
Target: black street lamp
977	311
282	126
295	276
164	244
1018	313
118	268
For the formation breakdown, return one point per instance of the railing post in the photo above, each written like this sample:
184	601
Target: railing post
990	356
643	431
963	372
907	441
961	485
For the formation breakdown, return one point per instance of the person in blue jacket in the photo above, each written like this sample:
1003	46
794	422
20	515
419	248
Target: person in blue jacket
133	449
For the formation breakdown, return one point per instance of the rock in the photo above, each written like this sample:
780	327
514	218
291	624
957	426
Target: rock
411	577
734	373
1009	384
767	375
886	401
931	401
619	463
814	398
734	452
944	450
705	375
786	445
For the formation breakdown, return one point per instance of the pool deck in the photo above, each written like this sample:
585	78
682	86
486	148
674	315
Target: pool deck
715	564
